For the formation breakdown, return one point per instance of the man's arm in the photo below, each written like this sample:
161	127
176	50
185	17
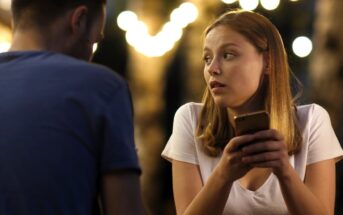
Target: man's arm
120	193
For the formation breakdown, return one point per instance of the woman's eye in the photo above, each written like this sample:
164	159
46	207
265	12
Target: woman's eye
207	60
228	56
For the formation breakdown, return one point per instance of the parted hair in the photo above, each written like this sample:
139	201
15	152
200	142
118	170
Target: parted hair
214	129
43	12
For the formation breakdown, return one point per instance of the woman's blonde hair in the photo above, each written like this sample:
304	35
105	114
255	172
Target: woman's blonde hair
214	128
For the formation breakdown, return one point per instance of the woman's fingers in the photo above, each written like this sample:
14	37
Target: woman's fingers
257	147
270	134
261	157
238	142
268	164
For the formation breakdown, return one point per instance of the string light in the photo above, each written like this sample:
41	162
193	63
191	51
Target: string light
126	19
270	4
229	1
4	46
302	46
138	37
154	46
5	4
137	34
95	47
248	4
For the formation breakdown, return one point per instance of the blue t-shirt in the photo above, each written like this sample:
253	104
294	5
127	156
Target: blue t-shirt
63	123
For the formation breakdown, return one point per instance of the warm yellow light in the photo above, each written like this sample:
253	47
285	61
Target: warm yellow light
152	46
5	4
229	1
4	46
171	31
190	12
270	4
137	33
302	46
184	15
248	4
127	20
95	47
155	46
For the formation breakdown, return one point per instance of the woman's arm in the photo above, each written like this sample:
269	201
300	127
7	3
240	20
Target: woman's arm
193	197
190	195
314	196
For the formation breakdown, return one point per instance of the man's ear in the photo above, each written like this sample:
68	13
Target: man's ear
78	19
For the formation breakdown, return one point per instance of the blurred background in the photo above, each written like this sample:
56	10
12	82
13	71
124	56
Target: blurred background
156	45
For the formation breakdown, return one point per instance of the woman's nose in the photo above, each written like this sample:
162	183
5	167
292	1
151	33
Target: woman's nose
214	68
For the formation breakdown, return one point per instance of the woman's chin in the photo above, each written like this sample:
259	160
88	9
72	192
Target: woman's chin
222	103
227	104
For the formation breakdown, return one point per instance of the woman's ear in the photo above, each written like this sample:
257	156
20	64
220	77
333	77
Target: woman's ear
266	63
78	19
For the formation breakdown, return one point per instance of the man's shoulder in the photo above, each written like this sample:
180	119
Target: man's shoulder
52	62
40	67
80	71
65	63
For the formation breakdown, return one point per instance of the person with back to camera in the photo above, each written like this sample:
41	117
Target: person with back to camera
288	169
66	128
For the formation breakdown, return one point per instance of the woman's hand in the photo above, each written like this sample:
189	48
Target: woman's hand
230	165
267	150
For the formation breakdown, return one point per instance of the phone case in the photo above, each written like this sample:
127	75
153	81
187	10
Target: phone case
251	122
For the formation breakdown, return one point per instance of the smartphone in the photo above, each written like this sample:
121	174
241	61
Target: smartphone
251	122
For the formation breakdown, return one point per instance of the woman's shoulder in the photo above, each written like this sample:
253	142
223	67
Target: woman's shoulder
189	112
311	110
190	107
320	140
312	113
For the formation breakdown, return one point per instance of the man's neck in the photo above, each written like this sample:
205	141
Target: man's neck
29	41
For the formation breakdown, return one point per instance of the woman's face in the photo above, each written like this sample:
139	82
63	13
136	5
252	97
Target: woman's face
233	68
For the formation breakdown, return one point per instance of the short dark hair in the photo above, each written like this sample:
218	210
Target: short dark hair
43	12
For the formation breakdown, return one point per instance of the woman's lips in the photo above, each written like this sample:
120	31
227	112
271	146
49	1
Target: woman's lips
216	86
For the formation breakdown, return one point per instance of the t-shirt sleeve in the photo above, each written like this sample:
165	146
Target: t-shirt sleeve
118	150
181	144
323	143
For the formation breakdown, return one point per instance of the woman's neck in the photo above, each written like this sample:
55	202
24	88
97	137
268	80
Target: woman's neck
255	103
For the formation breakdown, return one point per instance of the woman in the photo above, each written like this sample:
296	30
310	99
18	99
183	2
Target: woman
288	169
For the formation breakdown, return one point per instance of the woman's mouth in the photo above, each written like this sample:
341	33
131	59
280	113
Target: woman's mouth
216	84
217	87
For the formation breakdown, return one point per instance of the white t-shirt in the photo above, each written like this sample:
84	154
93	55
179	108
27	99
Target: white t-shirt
319	143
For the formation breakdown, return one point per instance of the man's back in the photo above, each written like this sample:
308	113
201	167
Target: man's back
63	123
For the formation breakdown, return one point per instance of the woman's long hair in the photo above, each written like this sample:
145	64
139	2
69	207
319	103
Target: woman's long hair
214	128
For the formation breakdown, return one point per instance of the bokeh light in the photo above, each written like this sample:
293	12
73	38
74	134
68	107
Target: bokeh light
95	47
4	46
270	4
126	20
229	1
302	46
137	34
5	4
189	11
248	4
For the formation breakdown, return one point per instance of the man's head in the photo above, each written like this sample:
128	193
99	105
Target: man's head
67	26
